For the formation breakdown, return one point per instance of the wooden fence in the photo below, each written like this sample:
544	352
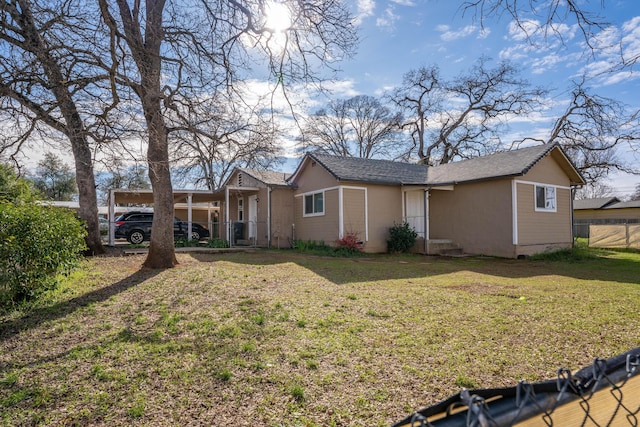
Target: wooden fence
615	236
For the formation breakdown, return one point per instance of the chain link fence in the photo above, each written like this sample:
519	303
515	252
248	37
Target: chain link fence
606	393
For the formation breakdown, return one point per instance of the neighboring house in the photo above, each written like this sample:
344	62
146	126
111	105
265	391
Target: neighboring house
508	204
603	211
256	209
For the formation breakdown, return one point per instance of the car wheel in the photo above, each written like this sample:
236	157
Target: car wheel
195	236
136	237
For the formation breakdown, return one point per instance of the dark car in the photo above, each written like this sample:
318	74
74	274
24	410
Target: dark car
136	228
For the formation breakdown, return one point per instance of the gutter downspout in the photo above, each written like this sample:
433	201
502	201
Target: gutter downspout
573	237
426	220
269	190
189	216
226	214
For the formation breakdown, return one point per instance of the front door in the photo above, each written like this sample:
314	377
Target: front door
414	210
252	217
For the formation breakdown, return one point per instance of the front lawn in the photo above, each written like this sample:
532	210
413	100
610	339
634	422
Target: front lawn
276	338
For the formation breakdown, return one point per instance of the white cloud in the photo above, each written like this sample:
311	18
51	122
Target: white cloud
617	51
387	20
404	2
484	32
449	35
365	9
546	63
523	30
342	88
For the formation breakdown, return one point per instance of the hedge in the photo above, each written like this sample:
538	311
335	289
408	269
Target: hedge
37	244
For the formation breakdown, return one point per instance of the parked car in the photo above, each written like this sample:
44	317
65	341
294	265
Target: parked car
136	228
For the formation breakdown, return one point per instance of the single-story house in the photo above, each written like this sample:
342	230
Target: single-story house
509	204
603	211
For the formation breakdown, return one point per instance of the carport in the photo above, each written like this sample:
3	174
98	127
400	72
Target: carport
145	197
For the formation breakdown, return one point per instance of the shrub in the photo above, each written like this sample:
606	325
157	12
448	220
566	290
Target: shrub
402	237
37	244
350	242
217	243
310	246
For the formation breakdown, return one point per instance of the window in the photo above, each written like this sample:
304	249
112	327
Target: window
545	198
314	204
240	209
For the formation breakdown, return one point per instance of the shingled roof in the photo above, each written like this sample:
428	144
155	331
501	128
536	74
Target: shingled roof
596	203
369	170
499	165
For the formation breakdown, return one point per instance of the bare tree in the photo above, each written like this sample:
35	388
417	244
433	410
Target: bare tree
592	131
168	51
356	127
216	134
461	118
535	16
550	19
50	87
594	191
121	175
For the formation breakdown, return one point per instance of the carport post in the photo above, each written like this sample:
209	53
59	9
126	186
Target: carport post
112	212
189	216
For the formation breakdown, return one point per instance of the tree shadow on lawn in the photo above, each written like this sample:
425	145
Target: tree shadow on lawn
389	267
41	315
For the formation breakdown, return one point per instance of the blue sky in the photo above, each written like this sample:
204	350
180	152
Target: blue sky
400	35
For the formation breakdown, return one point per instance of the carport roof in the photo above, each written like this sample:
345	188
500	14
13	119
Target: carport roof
146	196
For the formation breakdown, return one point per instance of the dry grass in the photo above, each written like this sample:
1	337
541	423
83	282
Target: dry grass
281	339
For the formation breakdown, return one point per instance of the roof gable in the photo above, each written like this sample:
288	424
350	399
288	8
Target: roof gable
267	177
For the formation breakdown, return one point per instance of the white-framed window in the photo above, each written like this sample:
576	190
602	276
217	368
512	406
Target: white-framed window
313	204
240	209
545	198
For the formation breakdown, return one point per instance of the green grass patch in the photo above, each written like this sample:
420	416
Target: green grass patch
288	338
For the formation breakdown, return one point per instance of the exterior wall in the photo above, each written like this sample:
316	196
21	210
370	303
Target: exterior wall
476	216
354	212
282	212
325	228
321	228
547	171
198	215
385	209
314	177
543	231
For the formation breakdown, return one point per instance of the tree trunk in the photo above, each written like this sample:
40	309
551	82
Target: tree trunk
161	248
85	178
87	198
148	59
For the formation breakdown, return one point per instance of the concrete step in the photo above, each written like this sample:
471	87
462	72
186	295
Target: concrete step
443	247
